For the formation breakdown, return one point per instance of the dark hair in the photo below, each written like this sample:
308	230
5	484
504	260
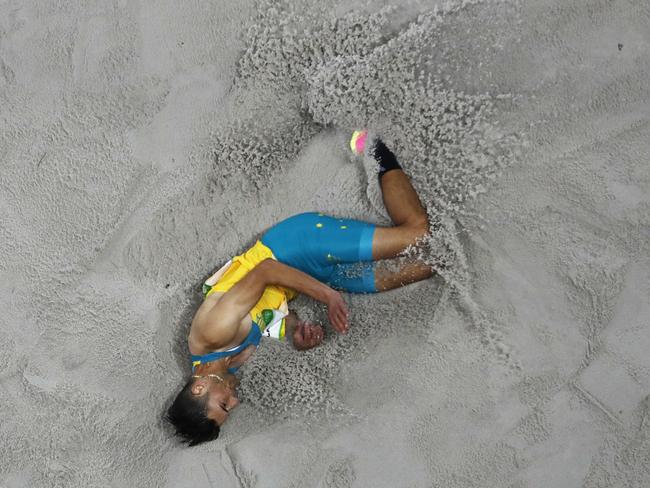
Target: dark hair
188	415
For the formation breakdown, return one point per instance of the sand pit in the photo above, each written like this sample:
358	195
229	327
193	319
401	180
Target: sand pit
145	143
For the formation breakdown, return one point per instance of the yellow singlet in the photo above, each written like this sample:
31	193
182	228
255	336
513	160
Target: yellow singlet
268	313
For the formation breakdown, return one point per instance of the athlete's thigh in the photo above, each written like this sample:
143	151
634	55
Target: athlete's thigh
336	240
354	277
394	273
315	239
375	276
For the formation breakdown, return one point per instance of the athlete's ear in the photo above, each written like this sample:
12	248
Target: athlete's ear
199	386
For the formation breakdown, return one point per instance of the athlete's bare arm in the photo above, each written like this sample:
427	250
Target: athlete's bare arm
281	274
220	325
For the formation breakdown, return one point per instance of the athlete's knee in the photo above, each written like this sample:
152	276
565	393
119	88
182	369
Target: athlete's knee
420	224
413	230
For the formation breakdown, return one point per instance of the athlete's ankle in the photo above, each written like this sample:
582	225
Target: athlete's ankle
384	157
363	143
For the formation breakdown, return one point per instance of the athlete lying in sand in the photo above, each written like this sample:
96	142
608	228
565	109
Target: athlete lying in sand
310	253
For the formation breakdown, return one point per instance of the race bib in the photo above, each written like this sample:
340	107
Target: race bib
272	323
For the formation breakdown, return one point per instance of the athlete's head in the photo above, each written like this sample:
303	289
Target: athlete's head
202	406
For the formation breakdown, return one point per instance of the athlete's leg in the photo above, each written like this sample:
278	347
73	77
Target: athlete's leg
390	275
406	211
317	243
401	201
374	276
314	242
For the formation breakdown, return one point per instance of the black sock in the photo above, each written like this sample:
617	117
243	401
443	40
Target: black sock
385	158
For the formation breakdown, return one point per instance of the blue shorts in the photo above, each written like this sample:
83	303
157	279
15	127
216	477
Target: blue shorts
335	251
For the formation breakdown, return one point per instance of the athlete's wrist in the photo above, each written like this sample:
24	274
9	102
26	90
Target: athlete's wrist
329	294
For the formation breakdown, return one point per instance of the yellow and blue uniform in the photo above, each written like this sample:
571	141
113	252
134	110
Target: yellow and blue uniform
335	251
273	298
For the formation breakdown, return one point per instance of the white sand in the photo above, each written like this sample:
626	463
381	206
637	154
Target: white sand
144	143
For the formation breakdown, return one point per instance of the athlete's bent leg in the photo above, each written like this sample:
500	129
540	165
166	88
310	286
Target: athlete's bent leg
388	275
401	201
375	276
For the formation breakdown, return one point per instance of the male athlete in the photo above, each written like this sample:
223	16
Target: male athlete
310	253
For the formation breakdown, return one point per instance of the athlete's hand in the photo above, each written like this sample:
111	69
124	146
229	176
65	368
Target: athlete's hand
337	312
306	335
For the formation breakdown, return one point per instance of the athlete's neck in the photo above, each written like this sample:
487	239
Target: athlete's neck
218	366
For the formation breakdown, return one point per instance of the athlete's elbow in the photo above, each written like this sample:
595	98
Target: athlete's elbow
266	264
264	270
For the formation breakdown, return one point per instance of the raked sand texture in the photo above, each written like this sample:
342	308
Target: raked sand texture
142	144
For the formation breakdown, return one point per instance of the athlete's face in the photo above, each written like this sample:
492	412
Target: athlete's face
222	395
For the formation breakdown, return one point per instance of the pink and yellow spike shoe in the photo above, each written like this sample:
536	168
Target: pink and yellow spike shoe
358	141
